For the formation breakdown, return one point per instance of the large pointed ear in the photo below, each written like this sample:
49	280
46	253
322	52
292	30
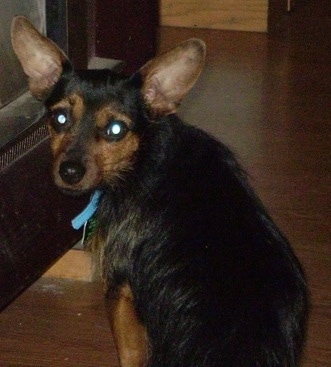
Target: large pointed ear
41	59
168	77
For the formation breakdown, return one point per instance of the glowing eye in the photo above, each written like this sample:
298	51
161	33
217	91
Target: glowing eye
61	119
116	130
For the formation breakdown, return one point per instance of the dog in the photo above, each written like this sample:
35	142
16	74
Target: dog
196	272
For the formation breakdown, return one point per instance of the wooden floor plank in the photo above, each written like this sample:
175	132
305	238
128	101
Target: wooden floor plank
57	323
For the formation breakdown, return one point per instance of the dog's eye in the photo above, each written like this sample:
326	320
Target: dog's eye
60	117
116	130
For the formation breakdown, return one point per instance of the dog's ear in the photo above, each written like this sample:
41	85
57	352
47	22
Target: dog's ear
168	77
41	59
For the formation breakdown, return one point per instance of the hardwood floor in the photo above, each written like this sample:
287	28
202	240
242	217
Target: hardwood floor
57	323
269	99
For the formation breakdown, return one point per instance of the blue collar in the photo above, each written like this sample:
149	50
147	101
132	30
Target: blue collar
88	212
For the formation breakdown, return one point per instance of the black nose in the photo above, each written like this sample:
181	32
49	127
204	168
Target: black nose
72	172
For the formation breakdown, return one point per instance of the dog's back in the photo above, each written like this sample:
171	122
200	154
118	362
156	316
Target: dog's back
214	281
196	272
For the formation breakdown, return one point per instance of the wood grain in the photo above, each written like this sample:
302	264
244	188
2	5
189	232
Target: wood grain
57	323
241	15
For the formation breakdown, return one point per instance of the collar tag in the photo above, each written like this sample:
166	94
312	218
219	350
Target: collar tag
88	212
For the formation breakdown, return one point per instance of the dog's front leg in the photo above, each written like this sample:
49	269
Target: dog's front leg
129	335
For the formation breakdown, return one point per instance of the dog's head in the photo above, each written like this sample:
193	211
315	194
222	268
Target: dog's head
96	119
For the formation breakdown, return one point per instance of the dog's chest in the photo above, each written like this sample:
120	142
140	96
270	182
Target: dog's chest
120	232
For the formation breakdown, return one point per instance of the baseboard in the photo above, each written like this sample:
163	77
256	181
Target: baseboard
240	15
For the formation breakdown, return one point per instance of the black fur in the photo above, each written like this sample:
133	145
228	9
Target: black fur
215	282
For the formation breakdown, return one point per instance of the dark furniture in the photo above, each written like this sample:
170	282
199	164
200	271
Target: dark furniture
35	228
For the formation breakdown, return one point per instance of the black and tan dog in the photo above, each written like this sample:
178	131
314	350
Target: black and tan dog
196	272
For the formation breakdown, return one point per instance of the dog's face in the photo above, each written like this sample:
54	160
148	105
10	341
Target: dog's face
96	119
95	125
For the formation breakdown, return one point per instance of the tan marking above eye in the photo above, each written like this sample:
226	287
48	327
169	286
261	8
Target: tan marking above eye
74	103
108	113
